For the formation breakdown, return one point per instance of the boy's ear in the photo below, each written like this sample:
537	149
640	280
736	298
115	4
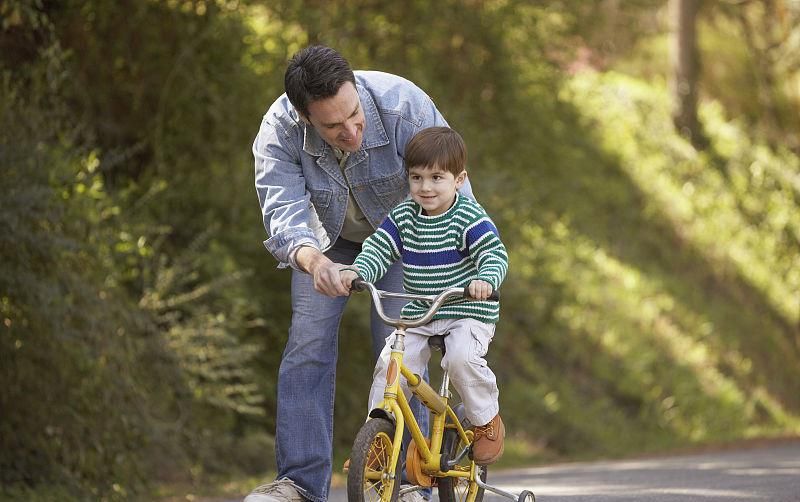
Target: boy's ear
461	178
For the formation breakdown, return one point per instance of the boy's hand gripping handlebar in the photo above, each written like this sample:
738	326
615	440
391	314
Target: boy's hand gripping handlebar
436	301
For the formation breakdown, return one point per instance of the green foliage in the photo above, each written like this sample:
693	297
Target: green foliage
68	417
203	341
753	65
121	339
658	314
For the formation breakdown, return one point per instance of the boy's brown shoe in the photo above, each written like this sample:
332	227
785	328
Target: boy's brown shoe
488	445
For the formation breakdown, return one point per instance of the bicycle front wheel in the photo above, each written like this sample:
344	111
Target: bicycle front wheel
459	489
369	479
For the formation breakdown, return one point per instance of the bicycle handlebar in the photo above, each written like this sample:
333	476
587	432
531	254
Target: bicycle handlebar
436	301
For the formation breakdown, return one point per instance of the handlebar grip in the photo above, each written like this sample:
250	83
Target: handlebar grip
494	297
358	284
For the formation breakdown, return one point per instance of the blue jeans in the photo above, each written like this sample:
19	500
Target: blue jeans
306	379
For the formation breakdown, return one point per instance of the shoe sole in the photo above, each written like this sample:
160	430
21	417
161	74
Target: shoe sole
492	459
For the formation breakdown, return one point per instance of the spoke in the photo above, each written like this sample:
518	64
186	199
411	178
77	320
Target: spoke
462	488
377	464
373	492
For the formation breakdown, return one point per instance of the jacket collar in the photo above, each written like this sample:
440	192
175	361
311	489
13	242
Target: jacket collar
374	132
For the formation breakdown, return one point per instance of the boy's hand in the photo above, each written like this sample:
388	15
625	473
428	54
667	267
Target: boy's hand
347	277
480	290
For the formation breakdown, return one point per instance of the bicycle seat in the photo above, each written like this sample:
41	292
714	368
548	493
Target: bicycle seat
437	342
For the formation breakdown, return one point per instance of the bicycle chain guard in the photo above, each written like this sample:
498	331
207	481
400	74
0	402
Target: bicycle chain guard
414	467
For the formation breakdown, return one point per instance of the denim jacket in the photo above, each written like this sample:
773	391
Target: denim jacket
301	188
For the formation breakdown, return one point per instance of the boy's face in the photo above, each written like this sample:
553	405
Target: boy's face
339	120
434	188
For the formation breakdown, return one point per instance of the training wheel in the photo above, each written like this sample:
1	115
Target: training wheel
526	496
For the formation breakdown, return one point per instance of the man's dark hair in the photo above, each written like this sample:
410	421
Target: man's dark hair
437	146
314	73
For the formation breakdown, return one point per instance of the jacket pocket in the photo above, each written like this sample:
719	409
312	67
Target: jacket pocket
321	200
392	189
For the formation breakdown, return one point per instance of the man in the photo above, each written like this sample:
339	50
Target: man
328	168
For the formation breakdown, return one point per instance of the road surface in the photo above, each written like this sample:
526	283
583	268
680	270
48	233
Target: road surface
765	473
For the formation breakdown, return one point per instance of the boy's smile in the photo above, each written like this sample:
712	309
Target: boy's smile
434	188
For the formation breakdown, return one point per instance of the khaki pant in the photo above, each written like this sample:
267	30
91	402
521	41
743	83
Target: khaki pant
466	345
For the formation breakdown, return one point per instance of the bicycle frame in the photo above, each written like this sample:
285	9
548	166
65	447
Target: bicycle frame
395	401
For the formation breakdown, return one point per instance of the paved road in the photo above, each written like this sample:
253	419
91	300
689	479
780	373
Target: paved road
768	473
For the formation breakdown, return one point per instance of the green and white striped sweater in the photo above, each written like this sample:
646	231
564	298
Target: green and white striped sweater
439	252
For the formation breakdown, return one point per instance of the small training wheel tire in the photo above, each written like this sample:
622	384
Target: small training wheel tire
526	496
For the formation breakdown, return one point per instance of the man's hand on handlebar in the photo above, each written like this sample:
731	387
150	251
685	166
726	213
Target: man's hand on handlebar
323	270
480	290
347	277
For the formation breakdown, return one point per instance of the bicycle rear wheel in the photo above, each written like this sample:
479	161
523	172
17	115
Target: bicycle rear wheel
367	479
459	489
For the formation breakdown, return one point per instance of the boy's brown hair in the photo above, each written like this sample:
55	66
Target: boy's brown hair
440	146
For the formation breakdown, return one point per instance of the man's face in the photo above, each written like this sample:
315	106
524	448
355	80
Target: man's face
339	120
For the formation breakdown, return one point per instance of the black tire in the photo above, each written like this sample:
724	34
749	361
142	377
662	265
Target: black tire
371	453
526	496
457	489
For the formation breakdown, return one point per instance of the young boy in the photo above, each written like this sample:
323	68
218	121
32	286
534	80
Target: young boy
445	240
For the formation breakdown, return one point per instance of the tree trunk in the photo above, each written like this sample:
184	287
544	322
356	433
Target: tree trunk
685	69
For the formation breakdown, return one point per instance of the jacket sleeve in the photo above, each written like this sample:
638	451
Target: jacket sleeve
289	217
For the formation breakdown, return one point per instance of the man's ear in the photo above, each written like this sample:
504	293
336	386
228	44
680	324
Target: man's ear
305	119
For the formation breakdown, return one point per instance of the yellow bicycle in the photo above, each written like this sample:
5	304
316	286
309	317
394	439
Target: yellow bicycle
442	460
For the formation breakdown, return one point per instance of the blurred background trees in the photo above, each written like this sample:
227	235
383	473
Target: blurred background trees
654	284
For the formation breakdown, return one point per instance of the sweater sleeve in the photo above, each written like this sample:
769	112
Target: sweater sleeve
379	251
487	250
